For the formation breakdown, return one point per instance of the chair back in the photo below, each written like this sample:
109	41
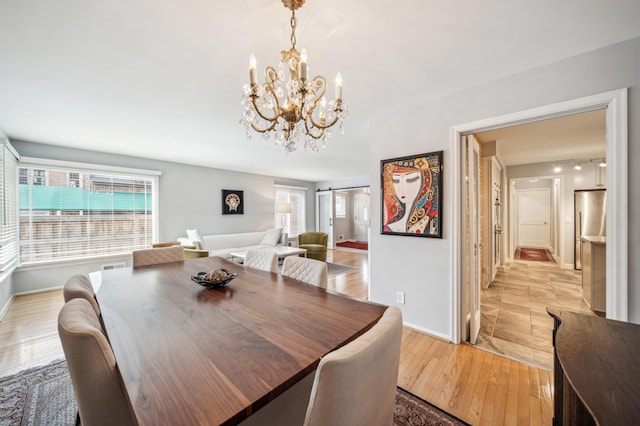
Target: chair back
314	237
356	384
156	256
79	286
92	366
262	259
310	271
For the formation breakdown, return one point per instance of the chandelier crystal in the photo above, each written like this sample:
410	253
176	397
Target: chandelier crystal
289	107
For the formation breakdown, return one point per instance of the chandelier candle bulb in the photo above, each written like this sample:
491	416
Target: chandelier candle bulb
253	78
338	86
303	65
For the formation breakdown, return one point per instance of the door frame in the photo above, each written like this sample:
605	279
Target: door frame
331	194
615	103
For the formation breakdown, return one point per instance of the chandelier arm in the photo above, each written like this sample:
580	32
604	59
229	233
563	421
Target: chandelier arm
326	125
254	102
311	128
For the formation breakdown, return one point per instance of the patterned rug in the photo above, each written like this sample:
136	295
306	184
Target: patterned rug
542	255
44	396
334	269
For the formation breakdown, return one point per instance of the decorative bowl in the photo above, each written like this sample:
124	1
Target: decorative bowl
214	279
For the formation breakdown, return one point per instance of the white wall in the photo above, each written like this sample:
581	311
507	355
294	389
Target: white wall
421	267
190	197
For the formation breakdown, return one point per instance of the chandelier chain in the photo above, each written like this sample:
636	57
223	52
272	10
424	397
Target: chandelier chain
294	24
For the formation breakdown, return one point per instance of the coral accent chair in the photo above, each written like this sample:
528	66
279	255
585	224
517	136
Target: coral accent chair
315	243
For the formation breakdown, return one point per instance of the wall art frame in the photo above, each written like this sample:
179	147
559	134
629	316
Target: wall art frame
411	195
232	201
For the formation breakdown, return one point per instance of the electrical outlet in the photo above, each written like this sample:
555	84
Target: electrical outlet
400	297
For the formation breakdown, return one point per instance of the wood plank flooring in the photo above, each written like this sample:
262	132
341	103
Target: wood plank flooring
477	386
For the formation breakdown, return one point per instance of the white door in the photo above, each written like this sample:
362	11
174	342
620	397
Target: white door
534	213
473	192
324	215
361	217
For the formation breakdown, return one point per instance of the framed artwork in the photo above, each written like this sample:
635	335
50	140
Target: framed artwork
412	195
232	202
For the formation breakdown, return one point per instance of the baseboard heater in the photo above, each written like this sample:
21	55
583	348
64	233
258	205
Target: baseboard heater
114	266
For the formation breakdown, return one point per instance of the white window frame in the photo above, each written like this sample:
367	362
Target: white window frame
70	166
300	191
341	205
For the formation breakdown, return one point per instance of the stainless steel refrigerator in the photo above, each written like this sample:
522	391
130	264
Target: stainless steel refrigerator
590	218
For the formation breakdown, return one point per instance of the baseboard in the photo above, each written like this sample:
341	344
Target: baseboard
428	332
6	307
40	290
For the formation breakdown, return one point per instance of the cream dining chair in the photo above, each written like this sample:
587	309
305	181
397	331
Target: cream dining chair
79	286
156	256
92	366
353	386
310	271
262	259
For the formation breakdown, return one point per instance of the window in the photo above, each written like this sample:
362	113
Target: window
295	221
341	205
70	214
8	210
74	179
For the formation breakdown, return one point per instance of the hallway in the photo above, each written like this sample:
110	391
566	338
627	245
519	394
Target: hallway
514	319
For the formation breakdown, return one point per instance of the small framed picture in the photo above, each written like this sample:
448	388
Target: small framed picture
232	201
412	195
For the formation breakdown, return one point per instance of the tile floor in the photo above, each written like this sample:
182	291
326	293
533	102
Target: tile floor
514	320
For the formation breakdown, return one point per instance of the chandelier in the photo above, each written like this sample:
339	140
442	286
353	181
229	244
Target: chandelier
289	107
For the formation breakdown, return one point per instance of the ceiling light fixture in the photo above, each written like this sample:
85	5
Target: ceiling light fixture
603	163
557	168
577	167
292	110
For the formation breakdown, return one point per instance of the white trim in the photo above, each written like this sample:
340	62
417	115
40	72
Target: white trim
428	331
40	290
617	181
32	266
300	188
32	161
6	307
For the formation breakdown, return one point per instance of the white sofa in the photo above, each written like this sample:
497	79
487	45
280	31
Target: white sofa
223	244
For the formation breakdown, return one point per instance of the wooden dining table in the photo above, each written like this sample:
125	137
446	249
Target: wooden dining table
192	355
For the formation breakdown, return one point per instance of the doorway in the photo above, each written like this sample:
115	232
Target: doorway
344	214
615	104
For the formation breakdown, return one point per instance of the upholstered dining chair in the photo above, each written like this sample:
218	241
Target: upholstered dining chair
92	367
79	286
262	259
310	271
315	243
156	256
353	385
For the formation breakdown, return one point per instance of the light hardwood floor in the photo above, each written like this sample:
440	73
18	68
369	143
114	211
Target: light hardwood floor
477	386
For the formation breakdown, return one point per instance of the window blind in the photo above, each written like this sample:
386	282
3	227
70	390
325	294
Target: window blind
295	224
8	209
70	213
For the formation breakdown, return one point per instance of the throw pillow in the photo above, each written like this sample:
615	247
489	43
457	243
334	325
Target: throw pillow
194	236
272	236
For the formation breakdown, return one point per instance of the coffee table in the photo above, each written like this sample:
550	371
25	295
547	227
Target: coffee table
281	251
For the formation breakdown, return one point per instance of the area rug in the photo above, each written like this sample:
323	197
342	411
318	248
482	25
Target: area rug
525	253
44	396
354	244
334	269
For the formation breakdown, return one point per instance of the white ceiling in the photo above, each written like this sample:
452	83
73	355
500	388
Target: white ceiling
162	79
573	138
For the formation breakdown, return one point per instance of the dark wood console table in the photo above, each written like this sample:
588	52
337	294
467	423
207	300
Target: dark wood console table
596	370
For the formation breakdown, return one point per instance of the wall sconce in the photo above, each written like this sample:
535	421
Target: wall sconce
603	163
